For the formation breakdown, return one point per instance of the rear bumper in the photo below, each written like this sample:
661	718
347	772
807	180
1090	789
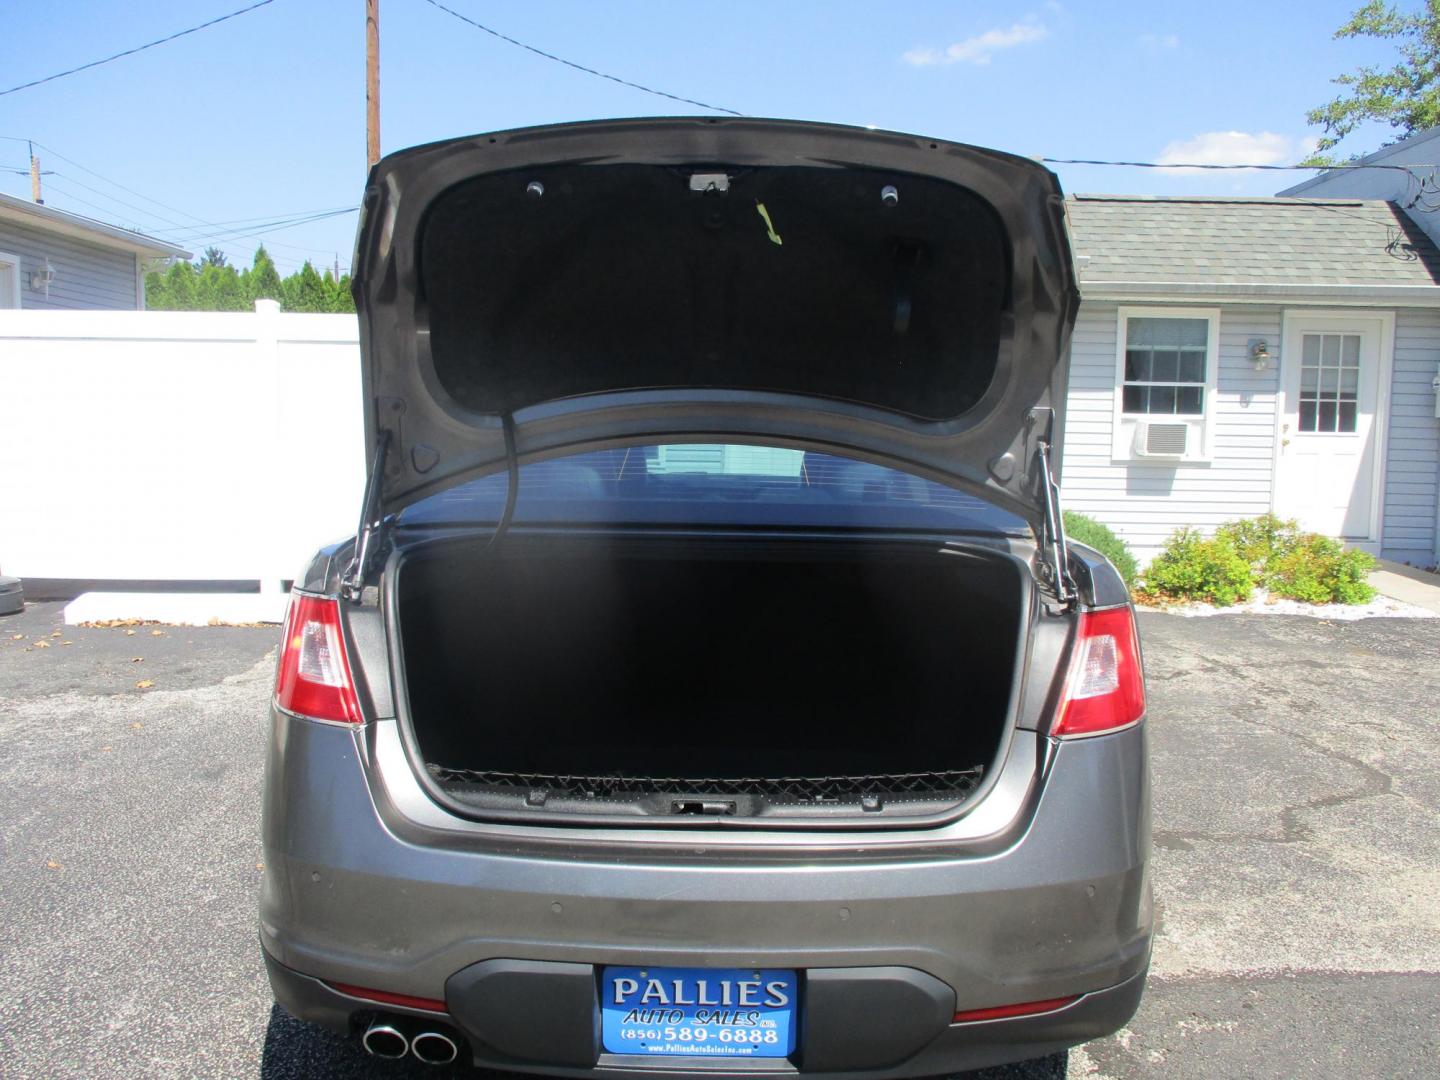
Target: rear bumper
353	894
948	1049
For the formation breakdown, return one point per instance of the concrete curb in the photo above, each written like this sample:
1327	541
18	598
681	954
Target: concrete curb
178	609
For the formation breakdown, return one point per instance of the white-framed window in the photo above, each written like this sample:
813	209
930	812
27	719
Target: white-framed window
9	280
1166	364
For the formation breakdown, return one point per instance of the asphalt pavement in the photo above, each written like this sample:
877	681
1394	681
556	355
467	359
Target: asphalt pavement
1297	858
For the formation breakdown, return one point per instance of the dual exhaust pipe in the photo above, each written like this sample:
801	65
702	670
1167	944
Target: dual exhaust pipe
384	1039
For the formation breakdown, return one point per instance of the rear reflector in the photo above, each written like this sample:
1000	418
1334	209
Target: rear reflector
313	677
385	997
1002	1012
1105	688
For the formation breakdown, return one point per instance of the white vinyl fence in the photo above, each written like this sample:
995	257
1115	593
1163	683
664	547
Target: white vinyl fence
176	445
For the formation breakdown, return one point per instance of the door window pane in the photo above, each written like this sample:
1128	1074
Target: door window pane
1329	384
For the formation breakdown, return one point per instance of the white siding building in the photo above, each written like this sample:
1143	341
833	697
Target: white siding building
53	259
1237	356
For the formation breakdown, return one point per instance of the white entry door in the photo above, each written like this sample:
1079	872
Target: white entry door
1326	473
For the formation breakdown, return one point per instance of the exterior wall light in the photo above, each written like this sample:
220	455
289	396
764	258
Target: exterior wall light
1260	354
40	279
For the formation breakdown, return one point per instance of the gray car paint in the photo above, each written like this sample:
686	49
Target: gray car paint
1037	889
357	892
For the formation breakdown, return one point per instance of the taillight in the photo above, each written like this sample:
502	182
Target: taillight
1105	688
313	678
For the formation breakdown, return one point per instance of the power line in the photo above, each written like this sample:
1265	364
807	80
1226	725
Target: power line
1197	165
285	225
262	217
579	67
70	195
119	202
116	183
1426	187
229	235
50	150
266	225
136	49
196	230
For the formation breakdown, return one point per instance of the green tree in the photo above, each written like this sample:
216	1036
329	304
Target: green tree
218	288
1405	96
262	280
174	290
304	290
212	284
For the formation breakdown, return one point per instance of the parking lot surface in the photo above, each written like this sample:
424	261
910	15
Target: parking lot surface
1297	856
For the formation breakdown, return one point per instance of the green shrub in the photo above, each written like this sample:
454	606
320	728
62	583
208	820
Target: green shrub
1317	570
1192	567
1262	551
1087	530
1261	539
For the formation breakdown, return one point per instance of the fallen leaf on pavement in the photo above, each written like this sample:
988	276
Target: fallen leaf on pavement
137	659
144	684
129	633
16	637
51	864
41	644
67	643
58	633
137	725
157	633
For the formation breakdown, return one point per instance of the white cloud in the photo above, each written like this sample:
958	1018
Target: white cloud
1157	42
979	49
1233	148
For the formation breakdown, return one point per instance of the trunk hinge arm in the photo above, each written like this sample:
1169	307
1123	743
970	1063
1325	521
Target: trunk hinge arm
1054	566
371	527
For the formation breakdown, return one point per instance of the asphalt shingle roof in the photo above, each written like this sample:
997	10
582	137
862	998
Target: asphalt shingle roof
1272	241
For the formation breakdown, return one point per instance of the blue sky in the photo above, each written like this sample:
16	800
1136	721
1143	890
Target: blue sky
262	117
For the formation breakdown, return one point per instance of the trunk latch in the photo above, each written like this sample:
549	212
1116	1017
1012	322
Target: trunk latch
703	807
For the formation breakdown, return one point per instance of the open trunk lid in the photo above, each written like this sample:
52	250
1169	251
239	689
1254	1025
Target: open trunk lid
904	300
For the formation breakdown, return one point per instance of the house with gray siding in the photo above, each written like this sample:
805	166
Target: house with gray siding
53	259
1235	356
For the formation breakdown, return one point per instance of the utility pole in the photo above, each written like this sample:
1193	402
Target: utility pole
372	80
35	194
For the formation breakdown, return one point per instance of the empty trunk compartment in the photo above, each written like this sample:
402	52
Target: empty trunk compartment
708	677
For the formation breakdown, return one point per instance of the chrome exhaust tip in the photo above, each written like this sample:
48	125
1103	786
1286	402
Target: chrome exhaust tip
434	1048
385	1041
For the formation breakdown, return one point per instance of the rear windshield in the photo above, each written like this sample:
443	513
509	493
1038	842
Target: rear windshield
717	484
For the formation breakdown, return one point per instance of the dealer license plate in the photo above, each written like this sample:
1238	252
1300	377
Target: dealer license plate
699	1012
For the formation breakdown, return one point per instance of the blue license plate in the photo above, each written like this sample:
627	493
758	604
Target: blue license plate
699	1012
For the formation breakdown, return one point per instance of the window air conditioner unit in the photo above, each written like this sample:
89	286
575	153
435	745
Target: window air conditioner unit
1161	440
